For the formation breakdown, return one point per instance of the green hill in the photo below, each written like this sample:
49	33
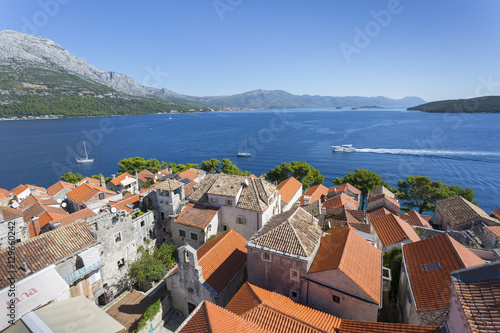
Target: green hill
487	104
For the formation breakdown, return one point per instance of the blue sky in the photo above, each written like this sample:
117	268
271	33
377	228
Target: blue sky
432	49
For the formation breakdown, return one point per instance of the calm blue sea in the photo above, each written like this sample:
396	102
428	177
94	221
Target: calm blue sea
461	149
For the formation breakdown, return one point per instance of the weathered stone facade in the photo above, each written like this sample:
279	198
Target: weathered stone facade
14	226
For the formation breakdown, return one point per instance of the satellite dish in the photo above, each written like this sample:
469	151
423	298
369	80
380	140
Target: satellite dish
63	205
113	209
59	201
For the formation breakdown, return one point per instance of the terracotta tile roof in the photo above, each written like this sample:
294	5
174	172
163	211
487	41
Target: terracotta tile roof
391	230
59	186
197	216
221	258
21	188
88	180
316	192
250	300
145	175
294	232
344	249
431	288
189	188
209	318
349	215
199	172
46	249
10	213
251	196
496	213
121	177
169	185
81	214
355	326
85	192
415	219
5	192
427	218
460	210
189	174
288	188
376	213
346	187
253	176
49	217
495	230
478	292
379	191
132	200
383	196
356	225
340	201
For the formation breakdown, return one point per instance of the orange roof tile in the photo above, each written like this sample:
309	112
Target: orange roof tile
431	287
250	300
496	213
383	196
88	180
21	188
343	188
78	215
4	194
221	258
495	230
332	224
59	186
197	216
344	249
189	174
288	188
355	326
85	192
121	177
377	212
44	250
340	201
315	192
415	219
10	213
132	200
209	318
391	230
460	210
145	175
49	217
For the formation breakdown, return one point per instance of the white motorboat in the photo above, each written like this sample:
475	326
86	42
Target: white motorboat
344	148
245	153
86	159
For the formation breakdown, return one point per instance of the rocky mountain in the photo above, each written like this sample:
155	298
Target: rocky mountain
37	63
485	104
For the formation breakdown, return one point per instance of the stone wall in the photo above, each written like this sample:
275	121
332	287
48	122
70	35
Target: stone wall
20	230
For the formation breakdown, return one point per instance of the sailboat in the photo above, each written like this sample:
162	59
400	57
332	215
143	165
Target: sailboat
86	159
246	153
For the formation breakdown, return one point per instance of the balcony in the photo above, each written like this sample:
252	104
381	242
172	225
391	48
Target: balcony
82	272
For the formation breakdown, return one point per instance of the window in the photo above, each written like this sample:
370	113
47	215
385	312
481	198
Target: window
101	196
224	227
186	256
194	236
294	274
431	266
213	200
241	220
121	263
266	256
142	223
229	202
182	233
294	295
335	299
118	237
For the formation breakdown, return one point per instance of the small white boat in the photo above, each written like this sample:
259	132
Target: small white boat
245	153
86	159
344	148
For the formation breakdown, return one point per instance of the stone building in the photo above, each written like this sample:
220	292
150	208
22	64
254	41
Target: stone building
12	226
168	199
124	182
345	188
459	214
424	286
195	225
491	237
282	252
59	190
214	272
414	219
90	196
245	203
382	201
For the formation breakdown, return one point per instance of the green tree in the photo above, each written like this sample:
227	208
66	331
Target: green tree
106	179
392	260
148	183
178	168
364	180
421	193
71	177
137	164
151	266
302	171
229	168
211	166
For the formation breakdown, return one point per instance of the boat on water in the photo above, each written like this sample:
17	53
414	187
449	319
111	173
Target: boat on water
344	148
245	153
86	159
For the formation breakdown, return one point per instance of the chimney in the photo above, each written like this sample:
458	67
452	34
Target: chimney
102	181
307	199
113	176
25	267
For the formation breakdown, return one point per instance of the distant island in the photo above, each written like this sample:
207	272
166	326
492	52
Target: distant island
487	104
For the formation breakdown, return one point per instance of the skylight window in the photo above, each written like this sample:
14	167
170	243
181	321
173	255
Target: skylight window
129	206
431	266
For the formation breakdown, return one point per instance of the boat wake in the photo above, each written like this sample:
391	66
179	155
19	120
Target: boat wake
425	152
